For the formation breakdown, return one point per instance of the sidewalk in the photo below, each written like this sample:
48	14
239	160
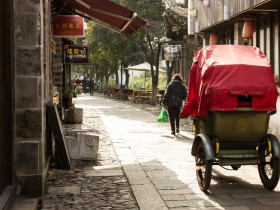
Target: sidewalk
142	166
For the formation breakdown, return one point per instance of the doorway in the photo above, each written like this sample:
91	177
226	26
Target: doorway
6	94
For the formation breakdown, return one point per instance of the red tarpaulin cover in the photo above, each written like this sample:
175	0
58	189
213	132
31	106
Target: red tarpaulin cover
221	73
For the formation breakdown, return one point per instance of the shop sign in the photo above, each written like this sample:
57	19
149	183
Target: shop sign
171	52
76	54
68	26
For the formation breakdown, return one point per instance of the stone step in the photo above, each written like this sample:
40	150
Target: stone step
23	203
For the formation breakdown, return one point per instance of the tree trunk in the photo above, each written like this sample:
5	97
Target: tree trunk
155	78
169	70
126	77
116	73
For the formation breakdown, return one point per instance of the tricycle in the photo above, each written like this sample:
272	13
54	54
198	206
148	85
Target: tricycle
232	94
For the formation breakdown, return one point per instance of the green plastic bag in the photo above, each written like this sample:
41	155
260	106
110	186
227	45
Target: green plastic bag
163	117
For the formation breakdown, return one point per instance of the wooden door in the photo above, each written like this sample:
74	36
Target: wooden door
6	94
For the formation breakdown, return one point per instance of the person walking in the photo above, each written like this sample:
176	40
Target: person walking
91	86
173	98
84	82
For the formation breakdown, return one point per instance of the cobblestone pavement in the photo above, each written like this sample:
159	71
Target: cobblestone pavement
75	189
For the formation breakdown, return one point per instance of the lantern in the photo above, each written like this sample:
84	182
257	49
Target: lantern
248	30
213	39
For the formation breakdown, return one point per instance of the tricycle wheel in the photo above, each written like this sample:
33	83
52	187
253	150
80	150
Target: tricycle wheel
235	167
268	167
203	168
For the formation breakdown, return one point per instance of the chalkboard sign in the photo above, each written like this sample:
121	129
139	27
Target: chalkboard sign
76	54
60	143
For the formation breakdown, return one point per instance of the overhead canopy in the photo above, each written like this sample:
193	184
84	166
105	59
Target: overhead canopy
146	67
222	74
107	14
143	67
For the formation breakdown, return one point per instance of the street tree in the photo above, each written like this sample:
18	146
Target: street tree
148	37
109	52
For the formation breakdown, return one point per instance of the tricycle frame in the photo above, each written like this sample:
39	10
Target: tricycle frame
218	142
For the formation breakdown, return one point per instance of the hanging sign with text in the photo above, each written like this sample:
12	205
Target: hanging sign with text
68	26
76	54
171	52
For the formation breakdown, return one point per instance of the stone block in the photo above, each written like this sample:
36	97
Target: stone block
28	124
28	62
73	145
26	29
31	185
24	203
84	147
27	158
27	93
74	132
89	146
73	115
78	115
29	6
68	116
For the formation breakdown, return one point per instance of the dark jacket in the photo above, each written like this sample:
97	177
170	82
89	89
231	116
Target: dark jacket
175	94
90	83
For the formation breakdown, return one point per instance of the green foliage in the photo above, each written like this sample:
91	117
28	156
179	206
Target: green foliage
111	83
79	89
69	93
137	82
109	49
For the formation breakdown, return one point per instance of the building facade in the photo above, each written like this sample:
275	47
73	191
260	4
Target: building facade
240	22
26	72
225	20
31	64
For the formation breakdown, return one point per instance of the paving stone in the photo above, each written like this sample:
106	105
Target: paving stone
104	173
269	201
148	198
185	191
173	197
63	190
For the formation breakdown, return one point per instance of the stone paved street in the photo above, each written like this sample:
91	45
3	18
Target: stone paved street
142	166
91	185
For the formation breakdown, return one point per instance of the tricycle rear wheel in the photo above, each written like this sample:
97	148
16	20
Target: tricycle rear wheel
268	167
203	168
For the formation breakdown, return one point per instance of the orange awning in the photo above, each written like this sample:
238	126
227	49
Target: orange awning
107	14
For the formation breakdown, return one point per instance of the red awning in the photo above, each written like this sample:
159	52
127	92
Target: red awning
107	14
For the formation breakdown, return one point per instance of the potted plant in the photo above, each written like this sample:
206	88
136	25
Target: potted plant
67	96
79	89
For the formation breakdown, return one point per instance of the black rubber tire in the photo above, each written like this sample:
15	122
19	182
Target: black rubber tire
203	168
268	167
235	167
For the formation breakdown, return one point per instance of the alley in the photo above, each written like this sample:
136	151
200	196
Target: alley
156	165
